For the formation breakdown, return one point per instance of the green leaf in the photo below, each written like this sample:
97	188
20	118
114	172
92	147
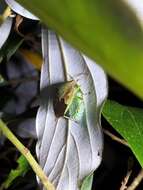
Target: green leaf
21	170
87	183
128	121
106	30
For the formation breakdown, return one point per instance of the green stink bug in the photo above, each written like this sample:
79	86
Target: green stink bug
69	101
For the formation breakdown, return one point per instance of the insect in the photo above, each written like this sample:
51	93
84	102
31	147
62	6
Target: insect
68	101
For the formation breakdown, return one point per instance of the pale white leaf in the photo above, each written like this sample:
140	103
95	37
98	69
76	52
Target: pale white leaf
5	29
67	150
16	7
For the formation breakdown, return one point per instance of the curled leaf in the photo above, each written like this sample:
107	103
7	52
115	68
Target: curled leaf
69	150
16	7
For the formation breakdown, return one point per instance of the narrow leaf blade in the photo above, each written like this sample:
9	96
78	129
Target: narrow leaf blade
16	7
5	29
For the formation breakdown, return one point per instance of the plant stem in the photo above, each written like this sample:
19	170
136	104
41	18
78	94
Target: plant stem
129	172
32	162
136	181
115	138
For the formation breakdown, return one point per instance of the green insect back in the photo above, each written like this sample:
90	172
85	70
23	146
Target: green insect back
75	109
68	101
